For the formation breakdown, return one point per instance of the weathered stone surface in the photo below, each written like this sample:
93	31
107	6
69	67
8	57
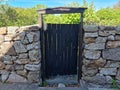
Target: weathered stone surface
19	47
7	59
118	74
61	85
96	63
118	29
111	37
2	38
22	73
98	79
9	37
112	64
19	67
113	44
4	76
13	77
30	36
3	30
12	30
107	32
33	46
2	65
109	79
32	67
91	34
101	39
89	40
108	71
33	76
92	54
91	28
89	71
23	56
9	67
117	37
95	46
34	55
112	54
22	61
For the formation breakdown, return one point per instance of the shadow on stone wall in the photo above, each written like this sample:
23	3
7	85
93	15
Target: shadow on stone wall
20	54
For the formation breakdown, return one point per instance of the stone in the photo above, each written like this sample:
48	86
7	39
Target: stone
33	46
36	36
32	67
30	46
117	37
92	54
61	85
89	71
109	79
2	38
8	59
3	30
21	61
33	76
111	37
9	67
7	48
2	65
19	67
107	32
13	78
34	55
12	30
95	46
9	37
89	40
4	76
96	63
113	44
98	79
118	74
118	29
101	39
108	71
23	56
95	34
111	54
19	47
112	64
22	72
90	28
30	36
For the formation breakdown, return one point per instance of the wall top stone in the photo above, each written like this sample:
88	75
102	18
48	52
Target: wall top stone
91	28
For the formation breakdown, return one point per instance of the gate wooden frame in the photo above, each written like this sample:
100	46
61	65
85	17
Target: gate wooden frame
62	10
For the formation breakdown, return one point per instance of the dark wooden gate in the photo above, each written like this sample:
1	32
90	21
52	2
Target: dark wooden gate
61	44
61	41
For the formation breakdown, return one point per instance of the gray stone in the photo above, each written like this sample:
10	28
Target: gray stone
89	40
95	34
101	39
108	71
19	47
23	56
91	28
118	74
12	30
9	67
34	55
118	29
61	85
7	58
30	36
33	76
2	65
92	54
111	37
22	73
112	54
95	46
13	77
107	32
32	67
112	64
113	44
109	79
4	76
19	67
117	37
21	61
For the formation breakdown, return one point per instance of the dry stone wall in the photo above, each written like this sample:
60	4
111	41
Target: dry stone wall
20	54
101	63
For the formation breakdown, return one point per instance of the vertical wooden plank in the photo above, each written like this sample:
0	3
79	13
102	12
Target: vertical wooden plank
80	48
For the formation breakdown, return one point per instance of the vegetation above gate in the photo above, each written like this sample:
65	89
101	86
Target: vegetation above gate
28	16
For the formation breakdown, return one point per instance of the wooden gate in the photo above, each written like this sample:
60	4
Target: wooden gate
61	41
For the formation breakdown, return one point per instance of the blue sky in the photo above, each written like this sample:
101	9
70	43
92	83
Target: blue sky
54	3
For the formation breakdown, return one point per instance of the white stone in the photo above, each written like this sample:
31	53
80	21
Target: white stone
92	54
111	37
101	39
12	30
32	67
108	71
95	34
4	76
61	85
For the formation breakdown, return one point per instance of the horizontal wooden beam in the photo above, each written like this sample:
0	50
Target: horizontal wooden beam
61	10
